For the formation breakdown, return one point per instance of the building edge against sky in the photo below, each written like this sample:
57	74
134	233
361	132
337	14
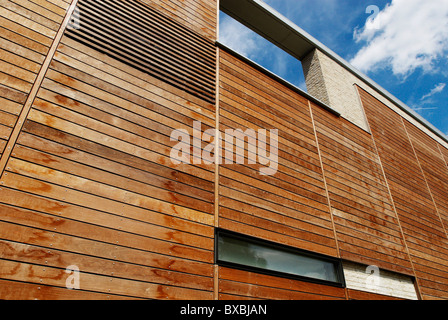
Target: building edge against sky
92	207
328	76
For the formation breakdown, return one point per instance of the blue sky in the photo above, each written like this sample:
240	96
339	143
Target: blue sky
404	49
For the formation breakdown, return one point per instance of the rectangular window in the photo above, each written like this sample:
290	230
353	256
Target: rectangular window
243	252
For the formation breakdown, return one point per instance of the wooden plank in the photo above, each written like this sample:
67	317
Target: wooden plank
122	76
55	142
123	71
33	13
13	59
89	200
444	152
362	295
28	22
57	7
197	199
13	290
49	241
12	95
42	11
15	83
17	72
252	98
21	51
61	259
104	234
273	88
122	222
203	171
19	33
60	3
56	277
242	283
105	168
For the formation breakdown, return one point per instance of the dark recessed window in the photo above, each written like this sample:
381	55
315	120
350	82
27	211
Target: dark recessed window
242	252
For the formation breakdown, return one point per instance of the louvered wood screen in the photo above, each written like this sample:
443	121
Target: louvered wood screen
134	33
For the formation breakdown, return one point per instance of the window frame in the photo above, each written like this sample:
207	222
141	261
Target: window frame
277	246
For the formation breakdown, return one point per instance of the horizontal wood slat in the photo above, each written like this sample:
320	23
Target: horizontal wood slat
362	295
142	37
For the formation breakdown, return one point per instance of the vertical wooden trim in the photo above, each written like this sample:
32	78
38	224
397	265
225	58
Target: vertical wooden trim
324	179
369	130
218	156
417	286
218	145
34	89
216	283
218	142
330	208
424	176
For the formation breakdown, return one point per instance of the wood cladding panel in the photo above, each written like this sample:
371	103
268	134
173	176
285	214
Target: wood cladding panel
422	227
27	30
362	295
239	285
290	206
90	183
139	35
198	15
434	169
11	290
366	225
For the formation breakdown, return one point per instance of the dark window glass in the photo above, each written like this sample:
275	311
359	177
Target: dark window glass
250	253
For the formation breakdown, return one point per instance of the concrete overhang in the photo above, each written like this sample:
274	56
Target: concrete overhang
268	23
273	26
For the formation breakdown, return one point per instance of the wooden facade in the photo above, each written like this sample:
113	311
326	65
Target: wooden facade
87	179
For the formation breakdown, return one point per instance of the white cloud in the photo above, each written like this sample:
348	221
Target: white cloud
238	37
411	34
438	88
